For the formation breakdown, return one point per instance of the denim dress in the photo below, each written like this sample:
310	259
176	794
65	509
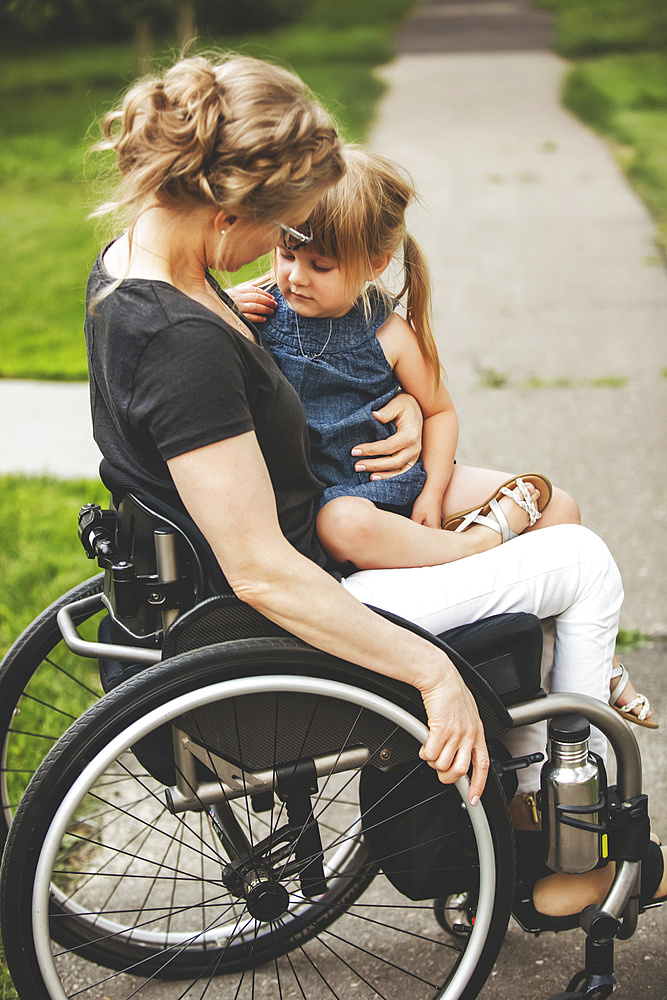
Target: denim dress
340	383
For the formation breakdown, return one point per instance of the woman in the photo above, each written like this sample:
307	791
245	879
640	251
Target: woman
216	163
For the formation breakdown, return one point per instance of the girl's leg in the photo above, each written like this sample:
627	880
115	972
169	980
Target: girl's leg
353	529
566	573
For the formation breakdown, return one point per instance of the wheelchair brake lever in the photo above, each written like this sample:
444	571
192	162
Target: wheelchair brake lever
517	763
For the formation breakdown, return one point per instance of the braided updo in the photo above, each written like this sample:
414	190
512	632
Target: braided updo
238	134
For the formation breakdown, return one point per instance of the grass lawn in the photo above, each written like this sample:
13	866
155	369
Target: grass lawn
50	100
40	553
618	84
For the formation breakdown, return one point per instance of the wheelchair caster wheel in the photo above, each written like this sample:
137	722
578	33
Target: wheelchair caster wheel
453	913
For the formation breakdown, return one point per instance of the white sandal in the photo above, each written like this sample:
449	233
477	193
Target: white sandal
517	490
640	701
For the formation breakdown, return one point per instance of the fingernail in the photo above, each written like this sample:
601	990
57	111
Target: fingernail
474	800
360	468
356	451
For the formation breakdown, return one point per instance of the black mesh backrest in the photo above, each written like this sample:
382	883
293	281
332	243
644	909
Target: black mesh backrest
119	485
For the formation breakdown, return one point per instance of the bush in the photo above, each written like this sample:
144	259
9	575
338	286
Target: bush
593	27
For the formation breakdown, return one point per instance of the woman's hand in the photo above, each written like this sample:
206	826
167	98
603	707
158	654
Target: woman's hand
397	453
255	303
456	732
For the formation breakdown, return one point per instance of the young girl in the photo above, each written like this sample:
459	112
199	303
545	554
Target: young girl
345	350
337	338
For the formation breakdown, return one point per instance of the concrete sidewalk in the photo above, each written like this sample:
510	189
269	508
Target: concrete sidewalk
544	269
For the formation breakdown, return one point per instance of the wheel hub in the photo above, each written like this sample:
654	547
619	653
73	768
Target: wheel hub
268	900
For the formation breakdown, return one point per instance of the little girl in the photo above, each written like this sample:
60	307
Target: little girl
338	340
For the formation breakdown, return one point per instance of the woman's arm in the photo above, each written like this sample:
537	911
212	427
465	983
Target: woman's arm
441	426
226	489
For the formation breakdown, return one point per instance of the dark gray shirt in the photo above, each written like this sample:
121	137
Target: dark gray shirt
167	376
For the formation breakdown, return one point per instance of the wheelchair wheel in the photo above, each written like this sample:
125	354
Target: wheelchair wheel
43	689
265	878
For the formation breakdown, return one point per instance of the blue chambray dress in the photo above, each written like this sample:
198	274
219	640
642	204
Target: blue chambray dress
339	388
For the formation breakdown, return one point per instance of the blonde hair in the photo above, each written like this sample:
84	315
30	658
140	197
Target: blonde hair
360	221
237	133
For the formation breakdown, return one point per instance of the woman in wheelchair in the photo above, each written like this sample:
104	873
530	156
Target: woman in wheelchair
218	162
221	810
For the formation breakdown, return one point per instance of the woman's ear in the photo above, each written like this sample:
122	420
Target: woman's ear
223	220
379	265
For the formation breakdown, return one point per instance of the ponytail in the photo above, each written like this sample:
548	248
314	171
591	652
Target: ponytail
417	287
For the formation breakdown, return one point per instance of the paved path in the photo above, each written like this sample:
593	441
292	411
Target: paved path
544	268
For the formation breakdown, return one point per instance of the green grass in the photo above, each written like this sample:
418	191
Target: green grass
40	553
50	99
40	559
491	378
592	27
619	85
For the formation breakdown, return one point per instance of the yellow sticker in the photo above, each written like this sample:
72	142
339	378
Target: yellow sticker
604	846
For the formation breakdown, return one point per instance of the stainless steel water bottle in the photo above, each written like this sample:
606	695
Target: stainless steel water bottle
570	792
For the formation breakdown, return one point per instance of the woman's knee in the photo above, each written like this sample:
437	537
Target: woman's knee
597	570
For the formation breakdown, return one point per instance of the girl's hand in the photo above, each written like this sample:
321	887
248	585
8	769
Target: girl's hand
255	303
399	452
456	733
427	509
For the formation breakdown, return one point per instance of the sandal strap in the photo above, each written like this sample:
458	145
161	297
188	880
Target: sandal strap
497	523
526	501
505	530
619	688
641	702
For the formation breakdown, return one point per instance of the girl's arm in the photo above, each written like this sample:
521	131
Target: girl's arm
237	514
255	302
441	427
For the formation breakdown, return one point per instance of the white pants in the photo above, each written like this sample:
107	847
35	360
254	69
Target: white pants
565	572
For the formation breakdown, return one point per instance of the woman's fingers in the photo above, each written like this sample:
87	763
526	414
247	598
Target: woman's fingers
480	771
456	735
399	451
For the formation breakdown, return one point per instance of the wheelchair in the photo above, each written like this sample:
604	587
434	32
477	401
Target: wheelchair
191	793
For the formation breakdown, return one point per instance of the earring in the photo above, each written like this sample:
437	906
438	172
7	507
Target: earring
222	232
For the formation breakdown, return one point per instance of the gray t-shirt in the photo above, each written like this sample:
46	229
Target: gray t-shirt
167	376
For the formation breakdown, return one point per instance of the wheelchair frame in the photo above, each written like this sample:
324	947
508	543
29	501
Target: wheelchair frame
163	590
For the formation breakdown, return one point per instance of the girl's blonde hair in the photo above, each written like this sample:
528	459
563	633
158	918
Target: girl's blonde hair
237	133
360	221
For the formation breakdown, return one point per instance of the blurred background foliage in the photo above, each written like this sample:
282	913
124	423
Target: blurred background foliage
618	85
66	62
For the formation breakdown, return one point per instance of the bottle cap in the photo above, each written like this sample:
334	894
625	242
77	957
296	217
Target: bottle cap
569	729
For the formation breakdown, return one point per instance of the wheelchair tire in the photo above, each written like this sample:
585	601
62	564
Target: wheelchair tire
96	861
43	689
